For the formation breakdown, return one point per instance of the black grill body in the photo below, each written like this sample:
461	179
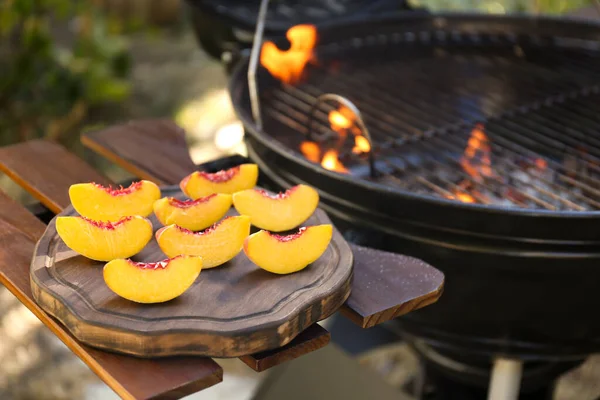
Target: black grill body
521	279
228	26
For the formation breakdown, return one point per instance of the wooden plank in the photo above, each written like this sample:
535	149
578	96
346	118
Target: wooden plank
144	150
314	338
45	169
155	150
396	285
129	377
377	295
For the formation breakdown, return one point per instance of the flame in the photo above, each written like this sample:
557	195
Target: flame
361	145
465	197
341	119
331	162
478	144
287	65
311	151
460	193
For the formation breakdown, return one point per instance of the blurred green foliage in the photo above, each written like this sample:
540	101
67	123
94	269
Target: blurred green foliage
505	6
48	85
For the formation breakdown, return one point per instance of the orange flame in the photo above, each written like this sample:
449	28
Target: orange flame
311	151
343	119
478	144
287	65
464	197
361	145
331	162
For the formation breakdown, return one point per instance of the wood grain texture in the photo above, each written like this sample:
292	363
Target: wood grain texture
46	170
394	286
130	378
230	311
155	150
371	301
319	337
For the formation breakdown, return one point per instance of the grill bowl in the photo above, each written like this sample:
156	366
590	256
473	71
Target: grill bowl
519	280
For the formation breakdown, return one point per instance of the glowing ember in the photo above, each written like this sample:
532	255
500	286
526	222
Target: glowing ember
541	164
331	162
361	145
311	151
476	160
287	65
464	197
341	119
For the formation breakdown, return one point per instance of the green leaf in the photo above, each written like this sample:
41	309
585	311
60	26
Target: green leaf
8	19
62	8
108	91
23	7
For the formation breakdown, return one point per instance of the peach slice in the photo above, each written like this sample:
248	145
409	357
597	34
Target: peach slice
101	203
152	282
291	253
200	184
194	215
216	245
105	241
280	212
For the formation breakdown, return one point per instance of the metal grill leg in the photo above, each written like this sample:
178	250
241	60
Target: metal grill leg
505	382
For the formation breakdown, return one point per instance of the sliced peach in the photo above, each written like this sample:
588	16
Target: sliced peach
200	184
101	203
152	282
280	212
105	241
194	215
216	245
290	253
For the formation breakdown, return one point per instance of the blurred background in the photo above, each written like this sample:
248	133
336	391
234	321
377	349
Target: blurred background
71	66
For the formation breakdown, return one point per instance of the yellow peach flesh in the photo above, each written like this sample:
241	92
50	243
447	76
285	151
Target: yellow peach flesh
201	184
288	254
106	204
277	213
216	246
105	241
152	282
194	215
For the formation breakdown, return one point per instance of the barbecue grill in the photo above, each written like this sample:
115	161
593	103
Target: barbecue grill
483	159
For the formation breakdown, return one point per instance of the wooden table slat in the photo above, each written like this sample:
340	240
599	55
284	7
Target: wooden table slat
149	149
376	296
394	286
129	377
44	169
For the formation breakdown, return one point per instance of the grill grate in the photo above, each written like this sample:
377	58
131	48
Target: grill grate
538	98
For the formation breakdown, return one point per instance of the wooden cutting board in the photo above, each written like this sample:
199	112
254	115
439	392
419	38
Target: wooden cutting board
233	310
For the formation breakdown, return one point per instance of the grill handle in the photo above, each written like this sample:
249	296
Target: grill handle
359	121
253	63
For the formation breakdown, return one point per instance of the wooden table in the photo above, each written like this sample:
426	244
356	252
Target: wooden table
156	150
